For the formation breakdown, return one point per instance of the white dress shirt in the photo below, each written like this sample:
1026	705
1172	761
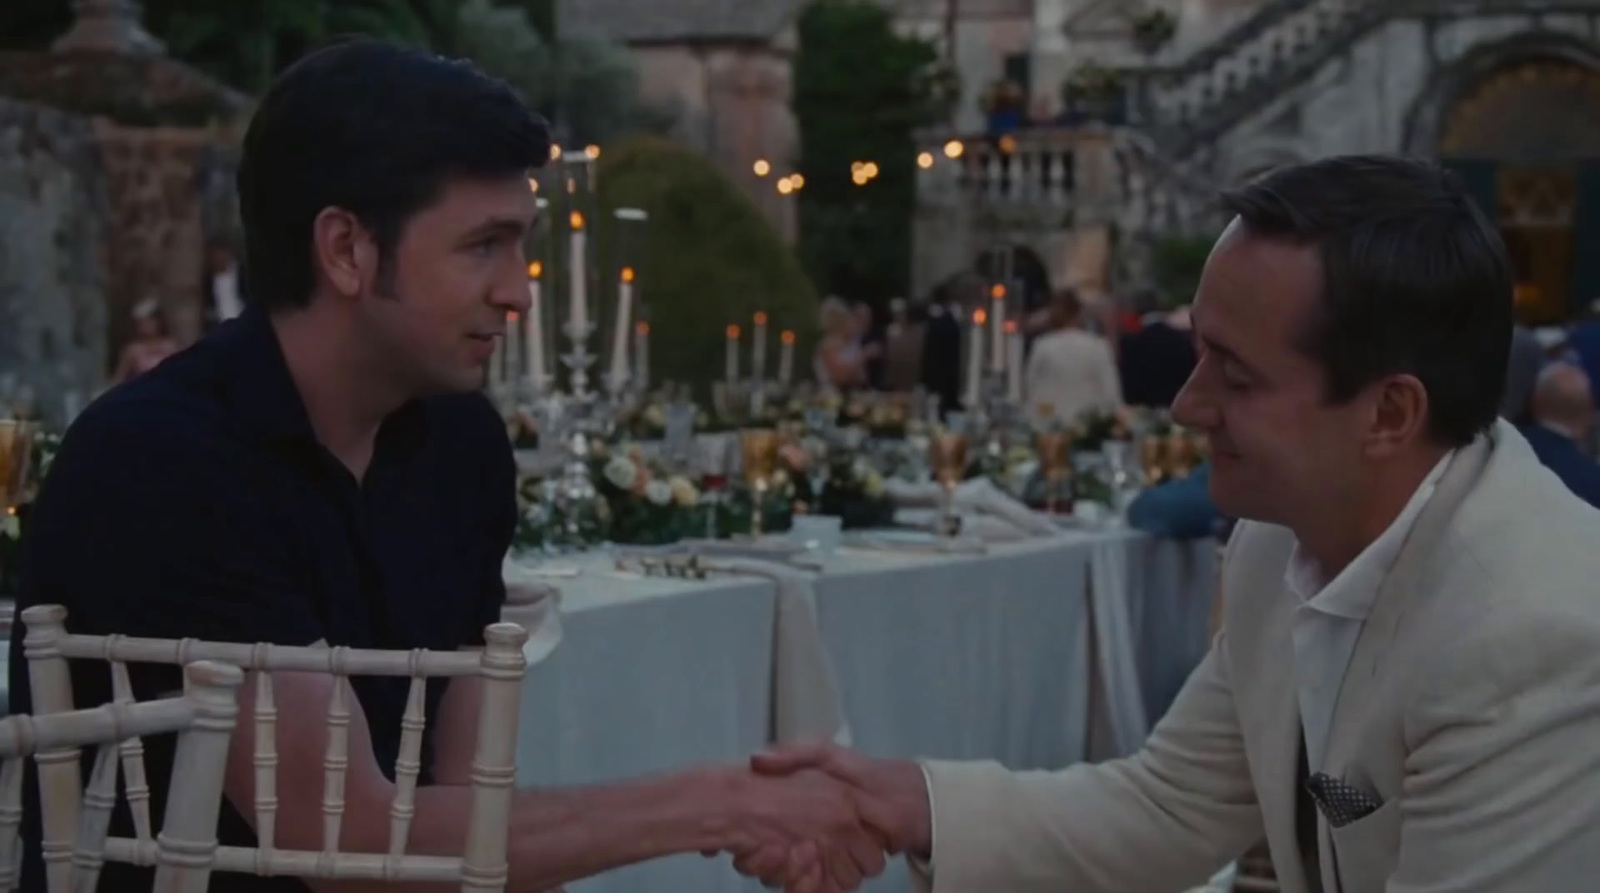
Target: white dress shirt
1329	619
225	286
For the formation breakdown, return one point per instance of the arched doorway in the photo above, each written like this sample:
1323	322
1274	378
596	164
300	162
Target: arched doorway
1524	134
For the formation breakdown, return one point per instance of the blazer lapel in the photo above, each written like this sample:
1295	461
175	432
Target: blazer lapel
1396	596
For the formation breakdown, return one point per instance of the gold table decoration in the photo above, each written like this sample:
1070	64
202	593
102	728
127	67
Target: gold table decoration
1055	460
1153	459
947	454
760	448
16	453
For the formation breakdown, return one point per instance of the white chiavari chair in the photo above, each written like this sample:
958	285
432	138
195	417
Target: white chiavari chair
203	719
500	665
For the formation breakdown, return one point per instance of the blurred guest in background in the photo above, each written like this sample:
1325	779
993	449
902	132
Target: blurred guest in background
1562	414
151	343
839	363
903	343
1522	370
870	340
1585	340
1155	361
1070	369
941	347
222	285
1180	509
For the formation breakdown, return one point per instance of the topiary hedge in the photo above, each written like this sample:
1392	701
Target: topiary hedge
710	259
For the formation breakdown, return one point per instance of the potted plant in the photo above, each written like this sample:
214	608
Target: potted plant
1152	29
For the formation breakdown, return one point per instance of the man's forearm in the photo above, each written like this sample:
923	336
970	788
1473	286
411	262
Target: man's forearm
558	836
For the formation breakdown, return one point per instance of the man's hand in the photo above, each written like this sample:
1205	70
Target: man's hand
891	796
810	828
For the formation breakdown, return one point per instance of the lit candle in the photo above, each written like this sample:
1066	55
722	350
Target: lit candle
641	355
997	345
533	327
578	309
786	357
733	353
758	348
619	337
1013	363
975	361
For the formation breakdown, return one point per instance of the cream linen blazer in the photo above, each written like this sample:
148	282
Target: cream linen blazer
1470	709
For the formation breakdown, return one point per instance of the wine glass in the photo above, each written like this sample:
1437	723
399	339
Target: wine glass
1055	461
760	453
948	456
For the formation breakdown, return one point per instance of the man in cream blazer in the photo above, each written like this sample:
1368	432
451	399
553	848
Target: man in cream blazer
1405	693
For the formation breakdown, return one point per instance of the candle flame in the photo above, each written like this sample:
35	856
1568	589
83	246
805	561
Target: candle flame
761	318
979	317
998	292
1011	327
535	269
592	151
512	316
555	152
642	328
627	274
788	336
576	220
733	331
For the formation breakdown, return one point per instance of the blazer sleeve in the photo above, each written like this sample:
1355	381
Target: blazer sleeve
1502	778
1161	820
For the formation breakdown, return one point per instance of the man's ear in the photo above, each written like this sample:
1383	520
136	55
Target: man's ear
345	252
1399	415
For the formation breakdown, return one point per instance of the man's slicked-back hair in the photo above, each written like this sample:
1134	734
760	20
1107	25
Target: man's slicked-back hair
375	129
1415	280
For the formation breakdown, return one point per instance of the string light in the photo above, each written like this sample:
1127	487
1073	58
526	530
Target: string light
592	152
925	160
798	181
555	152
533	185
954	149
762	167
785	186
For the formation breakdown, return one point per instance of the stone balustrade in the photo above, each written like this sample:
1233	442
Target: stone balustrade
1048	169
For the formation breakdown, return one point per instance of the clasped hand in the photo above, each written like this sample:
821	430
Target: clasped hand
822	818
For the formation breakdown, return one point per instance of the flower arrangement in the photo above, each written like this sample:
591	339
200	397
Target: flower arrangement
854	491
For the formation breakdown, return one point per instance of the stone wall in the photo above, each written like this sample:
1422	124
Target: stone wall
54	217
169	190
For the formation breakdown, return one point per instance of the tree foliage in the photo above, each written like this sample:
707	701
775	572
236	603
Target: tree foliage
590	86
860	93
711	259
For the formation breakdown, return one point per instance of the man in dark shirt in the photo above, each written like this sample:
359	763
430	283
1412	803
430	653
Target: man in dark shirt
323	469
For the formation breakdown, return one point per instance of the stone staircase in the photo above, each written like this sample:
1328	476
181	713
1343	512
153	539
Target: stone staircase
1281	45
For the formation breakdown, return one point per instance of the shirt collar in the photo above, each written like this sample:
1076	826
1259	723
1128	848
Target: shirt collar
1351	593
265	400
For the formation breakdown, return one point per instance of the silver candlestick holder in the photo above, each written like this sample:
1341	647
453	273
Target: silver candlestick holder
578	359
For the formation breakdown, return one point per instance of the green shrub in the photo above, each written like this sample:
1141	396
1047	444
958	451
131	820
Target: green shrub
710	259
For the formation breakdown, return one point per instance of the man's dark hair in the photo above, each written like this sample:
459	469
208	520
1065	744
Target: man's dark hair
1414	280
376	129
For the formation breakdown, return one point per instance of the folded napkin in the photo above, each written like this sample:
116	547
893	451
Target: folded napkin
805	691
978	496
535	605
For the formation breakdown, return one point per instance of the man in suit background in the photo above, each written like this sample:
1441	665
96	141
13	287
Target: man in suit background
1405	693
1155	361
1562	410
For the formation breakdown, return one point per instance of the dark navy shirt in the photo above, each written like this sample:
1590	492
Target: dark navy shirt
196	501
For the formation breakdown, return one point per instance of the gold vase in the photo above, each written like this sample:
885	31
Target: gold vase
947	454
16	453
1055	461
1153	459
760	450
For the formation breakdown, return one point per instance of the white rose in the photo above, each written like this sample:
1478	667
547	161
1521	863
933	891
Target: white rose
684	492
621	472
658	492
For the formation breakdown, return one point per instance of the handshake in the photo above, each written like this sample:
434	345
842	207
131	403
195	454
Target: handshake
816	818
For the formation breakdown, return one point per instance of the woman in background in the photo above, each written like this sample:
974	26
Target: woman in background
839	362
149	346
